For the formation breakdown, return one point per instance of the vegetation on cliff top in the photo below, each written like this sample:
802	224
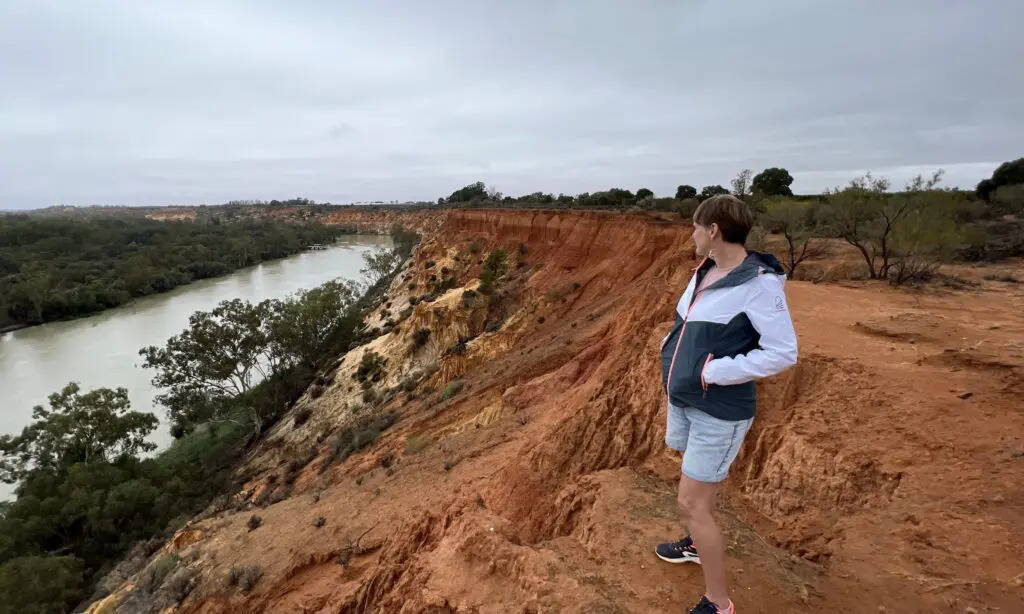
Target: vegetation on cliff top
903	235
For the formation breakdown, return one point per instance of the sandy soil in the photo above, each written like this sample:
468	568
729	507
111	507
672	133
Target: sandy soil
884	472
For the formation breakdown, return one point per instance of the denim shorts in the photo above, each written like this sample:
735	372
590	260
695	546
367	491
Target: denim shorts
709	445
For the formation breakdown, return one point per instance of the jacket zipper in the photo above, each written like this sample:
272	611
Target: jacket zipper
704	384
675	352
686	320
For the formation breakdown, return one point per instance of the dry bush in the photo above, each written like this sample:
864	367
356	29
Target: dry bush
153	576
356	438
244	577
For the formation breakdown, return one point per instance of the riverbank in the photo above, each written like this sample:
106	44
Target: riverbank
57	269
13	327
135	299
102	350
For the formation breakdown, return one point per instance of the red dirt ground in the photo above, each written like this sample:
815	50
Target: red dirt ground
883	474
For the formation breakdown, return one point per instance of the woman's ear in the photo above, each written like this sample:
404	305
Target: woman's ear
713	231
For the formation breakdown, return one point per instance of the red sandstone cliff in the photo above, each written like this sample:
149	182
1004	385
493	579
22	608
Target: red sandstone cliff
542	485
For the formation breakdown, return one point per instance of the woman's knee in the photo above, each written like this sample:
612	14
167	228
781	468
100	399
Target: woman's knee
689	505
694	502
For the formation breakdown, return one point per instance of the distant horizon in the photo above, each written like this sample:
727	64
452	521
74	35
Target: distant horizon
904	175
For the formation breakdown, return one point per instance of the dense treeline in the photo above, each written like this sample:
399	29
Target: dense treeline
86	494
903	234
53	267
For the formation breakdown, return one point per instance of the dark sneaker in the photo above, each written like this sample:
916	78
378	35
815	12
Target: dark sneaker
704	606
681	551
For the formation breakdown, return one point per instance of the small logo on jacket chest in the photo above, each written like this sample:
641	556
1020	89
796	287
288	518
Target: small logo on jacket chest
780	305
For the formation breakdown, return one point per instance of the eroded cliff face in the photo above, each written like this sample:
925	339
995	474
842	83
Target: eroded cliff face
525	471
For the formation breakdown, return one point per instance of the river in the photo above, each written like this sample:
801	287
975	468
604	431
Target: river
103	350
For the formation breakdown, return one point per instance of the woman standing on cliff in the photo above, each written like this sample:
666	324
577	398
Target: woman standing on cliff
732	327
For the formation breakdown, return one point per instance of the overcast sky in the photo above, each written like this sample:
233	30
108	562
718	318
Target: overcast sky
203	101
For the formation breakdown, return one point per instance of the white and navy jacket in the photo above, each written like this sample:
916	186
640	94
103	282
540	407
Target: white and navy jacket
726	336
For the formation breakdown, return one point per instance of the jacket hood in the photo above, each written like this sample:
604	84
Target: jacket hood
767	261
754	265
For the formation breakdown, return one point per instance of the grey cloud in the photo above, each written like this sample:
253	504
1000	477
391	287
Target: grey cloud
116	101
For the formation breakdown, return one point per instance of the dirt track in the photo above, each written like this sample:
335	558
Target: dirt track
868	484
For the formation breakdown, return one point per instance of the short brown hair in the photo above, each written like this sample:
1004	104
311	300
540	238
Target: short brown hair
732	215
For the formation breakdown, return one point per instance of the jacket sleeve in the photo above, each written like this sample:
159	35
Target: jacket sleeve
768	311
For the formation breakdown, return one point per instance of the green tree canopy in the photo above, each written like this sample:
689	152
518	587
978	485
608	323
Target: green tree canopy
684	192
1007	173
379	263
222	354
311	325
96	425
905	229
40	584
711	190
773	182
471	192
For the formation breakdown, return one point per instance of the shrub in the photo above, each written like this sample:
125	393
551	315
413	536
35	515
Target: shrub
451	390
370	396
154	575
302	416
294	468
757	240
319	522
371	367
794	220
901	236
493	269
429	264
444	285
316	391
686	207
409	383
180	584
244	577
420	337
255	522
353	439
475	247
